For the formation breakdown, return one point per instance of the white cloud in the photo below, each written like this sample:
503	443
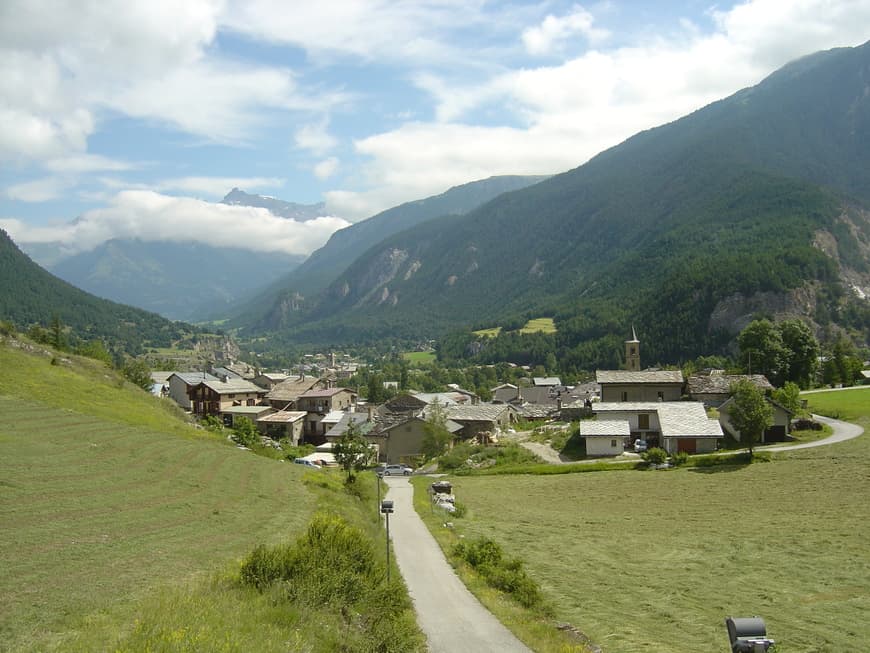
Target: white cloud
367	29
326	168
561	115
554	31
151	216
315	137
62	65
38	190
82	163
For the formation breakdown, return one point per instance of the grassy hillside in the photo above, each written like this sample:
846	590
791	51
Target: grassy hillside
655	560
107	496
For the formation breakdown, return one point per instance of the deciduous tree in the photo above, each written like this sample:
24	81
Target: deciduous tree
352	451
750	413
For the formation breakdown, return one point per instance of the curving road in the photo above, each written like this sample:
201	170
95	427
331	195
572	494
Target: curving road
448	613
842	431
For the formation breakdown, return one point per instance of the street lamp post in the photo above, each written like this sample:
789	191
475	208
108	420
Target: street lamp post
386	509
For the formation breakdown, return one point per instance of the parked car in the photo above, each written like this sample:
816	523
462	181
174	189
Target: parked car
640	446
306	462
393	470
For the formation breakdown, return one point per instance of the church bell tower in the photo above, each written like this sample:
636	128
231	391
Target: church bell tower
632	352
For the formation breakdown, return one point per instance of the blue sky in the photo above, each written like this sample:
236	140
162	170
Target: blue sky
137	116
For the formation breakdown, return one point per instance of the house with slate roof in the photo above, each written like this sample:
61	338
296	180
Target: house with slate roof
642	385
180	384
605	437
284	394
210	397
482	418
232	413
283	424
319	403
715	389
269	380
672	425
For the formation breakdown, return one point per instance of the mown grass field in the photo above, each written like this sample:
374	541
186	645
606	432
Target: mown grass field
492	332
107	498
654	561
539	324
419	358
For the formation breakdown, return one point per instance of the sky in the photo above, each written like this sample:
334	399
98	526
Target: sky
132	118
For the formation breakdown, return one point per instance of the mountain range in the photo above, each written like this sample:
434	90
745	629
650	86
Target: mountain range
30	295
181	280
755	204
269	310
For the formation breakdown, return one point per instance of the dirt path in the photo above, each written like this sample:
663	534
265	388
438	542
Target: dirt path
448	613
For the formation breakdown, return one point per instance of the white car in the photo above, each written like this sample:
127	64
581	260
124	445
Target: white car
640	446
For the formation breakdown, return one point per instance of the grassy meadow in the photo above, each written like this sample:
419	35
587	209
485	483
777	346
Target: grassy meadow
654	561
419	358
123	526
539	324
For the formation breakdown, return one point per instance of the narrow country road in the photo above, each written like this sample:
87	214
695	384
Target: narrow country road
452	619
842	431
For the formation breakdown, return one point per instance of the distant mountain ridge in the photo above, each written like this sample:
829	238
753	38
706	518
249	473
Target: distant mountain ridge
288	294
755	203
290	210
181	281
184	280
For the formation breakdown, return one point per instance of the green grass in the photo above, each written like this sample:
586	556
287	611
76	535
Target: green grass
851	405
419	358
492	332
649	561
108	498
539	324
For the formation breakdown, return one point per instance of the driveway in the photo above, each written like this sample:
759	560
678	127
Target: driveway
452	619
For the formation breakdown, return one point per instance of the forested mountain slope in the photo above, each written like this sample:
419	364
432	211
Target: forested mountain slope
756	203
30	295
273	308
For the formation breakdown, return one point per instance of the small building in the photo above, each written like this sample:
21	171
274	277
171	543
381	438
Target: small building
546	381
318	404
606	437
483	418
269	380
777	432
180	384
283	424
644	385
715	389
212	397
230	414
400	441
284	394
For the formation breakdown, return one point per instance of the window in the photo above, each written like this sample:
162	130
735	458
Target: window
613	444
625	396
661	395
643	422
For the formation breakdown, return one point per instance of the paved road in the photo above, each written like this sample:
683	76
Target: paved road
448	613
841	431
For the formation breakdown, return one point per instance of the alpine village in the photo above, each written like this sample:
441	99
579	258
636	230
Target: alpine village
625	403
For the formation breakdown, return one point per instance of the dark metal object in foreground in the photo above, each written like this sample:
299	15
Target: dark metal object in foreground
748	635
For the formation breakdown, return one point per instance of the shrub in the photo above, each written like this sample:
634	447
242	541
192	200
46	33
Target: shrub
656	456
245	432
680	458
506	575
